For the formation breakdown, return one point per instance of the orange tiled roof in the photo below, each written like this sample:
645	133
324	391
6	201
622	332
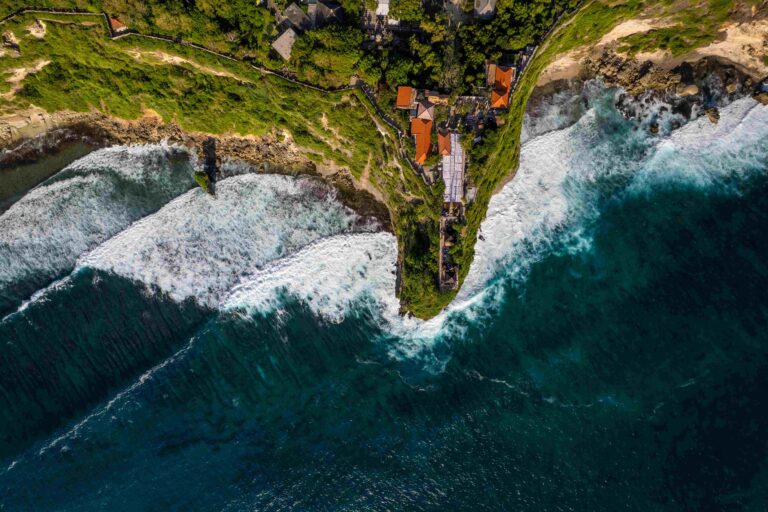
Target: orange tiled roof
444	143
502	84
404	96
116	25
421	129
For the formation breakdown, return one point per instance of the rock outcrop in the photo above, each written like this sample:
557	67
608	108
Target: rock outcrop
634	76
761	92
686	80
713	114
10	41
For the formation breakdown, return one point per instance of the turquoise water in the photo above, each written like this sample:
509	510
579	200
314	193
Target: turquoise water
608	351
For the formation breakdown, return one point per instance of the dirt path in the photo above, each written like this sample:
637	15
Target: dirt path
365	181
19	74
160	57
37	29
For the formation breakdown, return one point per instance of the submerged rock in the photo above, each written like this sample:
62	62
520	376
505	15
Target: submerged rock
713	114
687	90
761	93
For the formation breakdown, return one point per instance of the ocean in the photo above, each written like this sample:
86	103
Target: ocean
166	350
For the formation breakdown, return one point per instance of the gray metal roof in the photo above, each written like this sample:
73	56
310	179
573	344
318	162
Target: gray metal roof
453	172
284	43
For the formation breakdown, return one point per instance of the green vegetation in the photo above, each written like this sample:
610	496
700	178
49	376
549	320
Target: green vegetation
201	179
407	10
236	26
498	155
515	26
693	28
124	77
328	56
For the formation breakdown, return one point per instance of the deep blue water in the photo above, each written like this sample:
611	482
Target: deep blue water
614	359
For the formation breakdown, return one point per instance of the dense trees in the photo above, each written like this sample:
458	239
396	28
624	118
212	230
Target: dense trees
515	25
450	54
329	55
407	10
447	54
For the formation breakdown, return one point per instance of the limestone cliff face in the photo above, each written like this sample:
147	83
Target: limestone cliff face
102	129
687	79
634	76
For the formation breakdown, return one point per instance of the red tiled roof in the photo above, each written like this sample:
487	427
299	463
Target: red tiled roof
116	25
444	143
404	96
502	85
421	129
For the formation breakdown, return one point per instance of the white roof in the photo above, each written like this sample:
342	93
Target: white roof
453	172
382	9
484	7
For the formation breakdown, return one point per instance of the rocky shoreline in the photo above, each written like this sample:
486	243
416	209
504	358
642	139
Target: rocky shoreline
43	135
648	91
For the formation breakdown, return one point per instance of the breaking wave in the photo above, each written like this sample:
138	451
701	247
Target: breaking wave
329	275
43	234
199	246
566	176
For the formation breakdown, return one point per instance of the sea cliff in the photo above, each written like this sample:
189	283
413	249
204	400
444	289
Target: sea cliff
35	134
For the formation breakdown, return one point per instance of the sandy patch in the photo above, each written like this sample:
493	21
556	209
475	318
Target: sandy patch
17	75
327	126
175	60
745	44
565	67
37	29
630	27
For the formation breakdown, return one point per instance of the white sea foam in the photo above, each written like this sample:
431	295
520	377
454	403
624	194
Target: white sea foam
554	112
549	204
331	276
45	231
702	153
199	247
548	207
